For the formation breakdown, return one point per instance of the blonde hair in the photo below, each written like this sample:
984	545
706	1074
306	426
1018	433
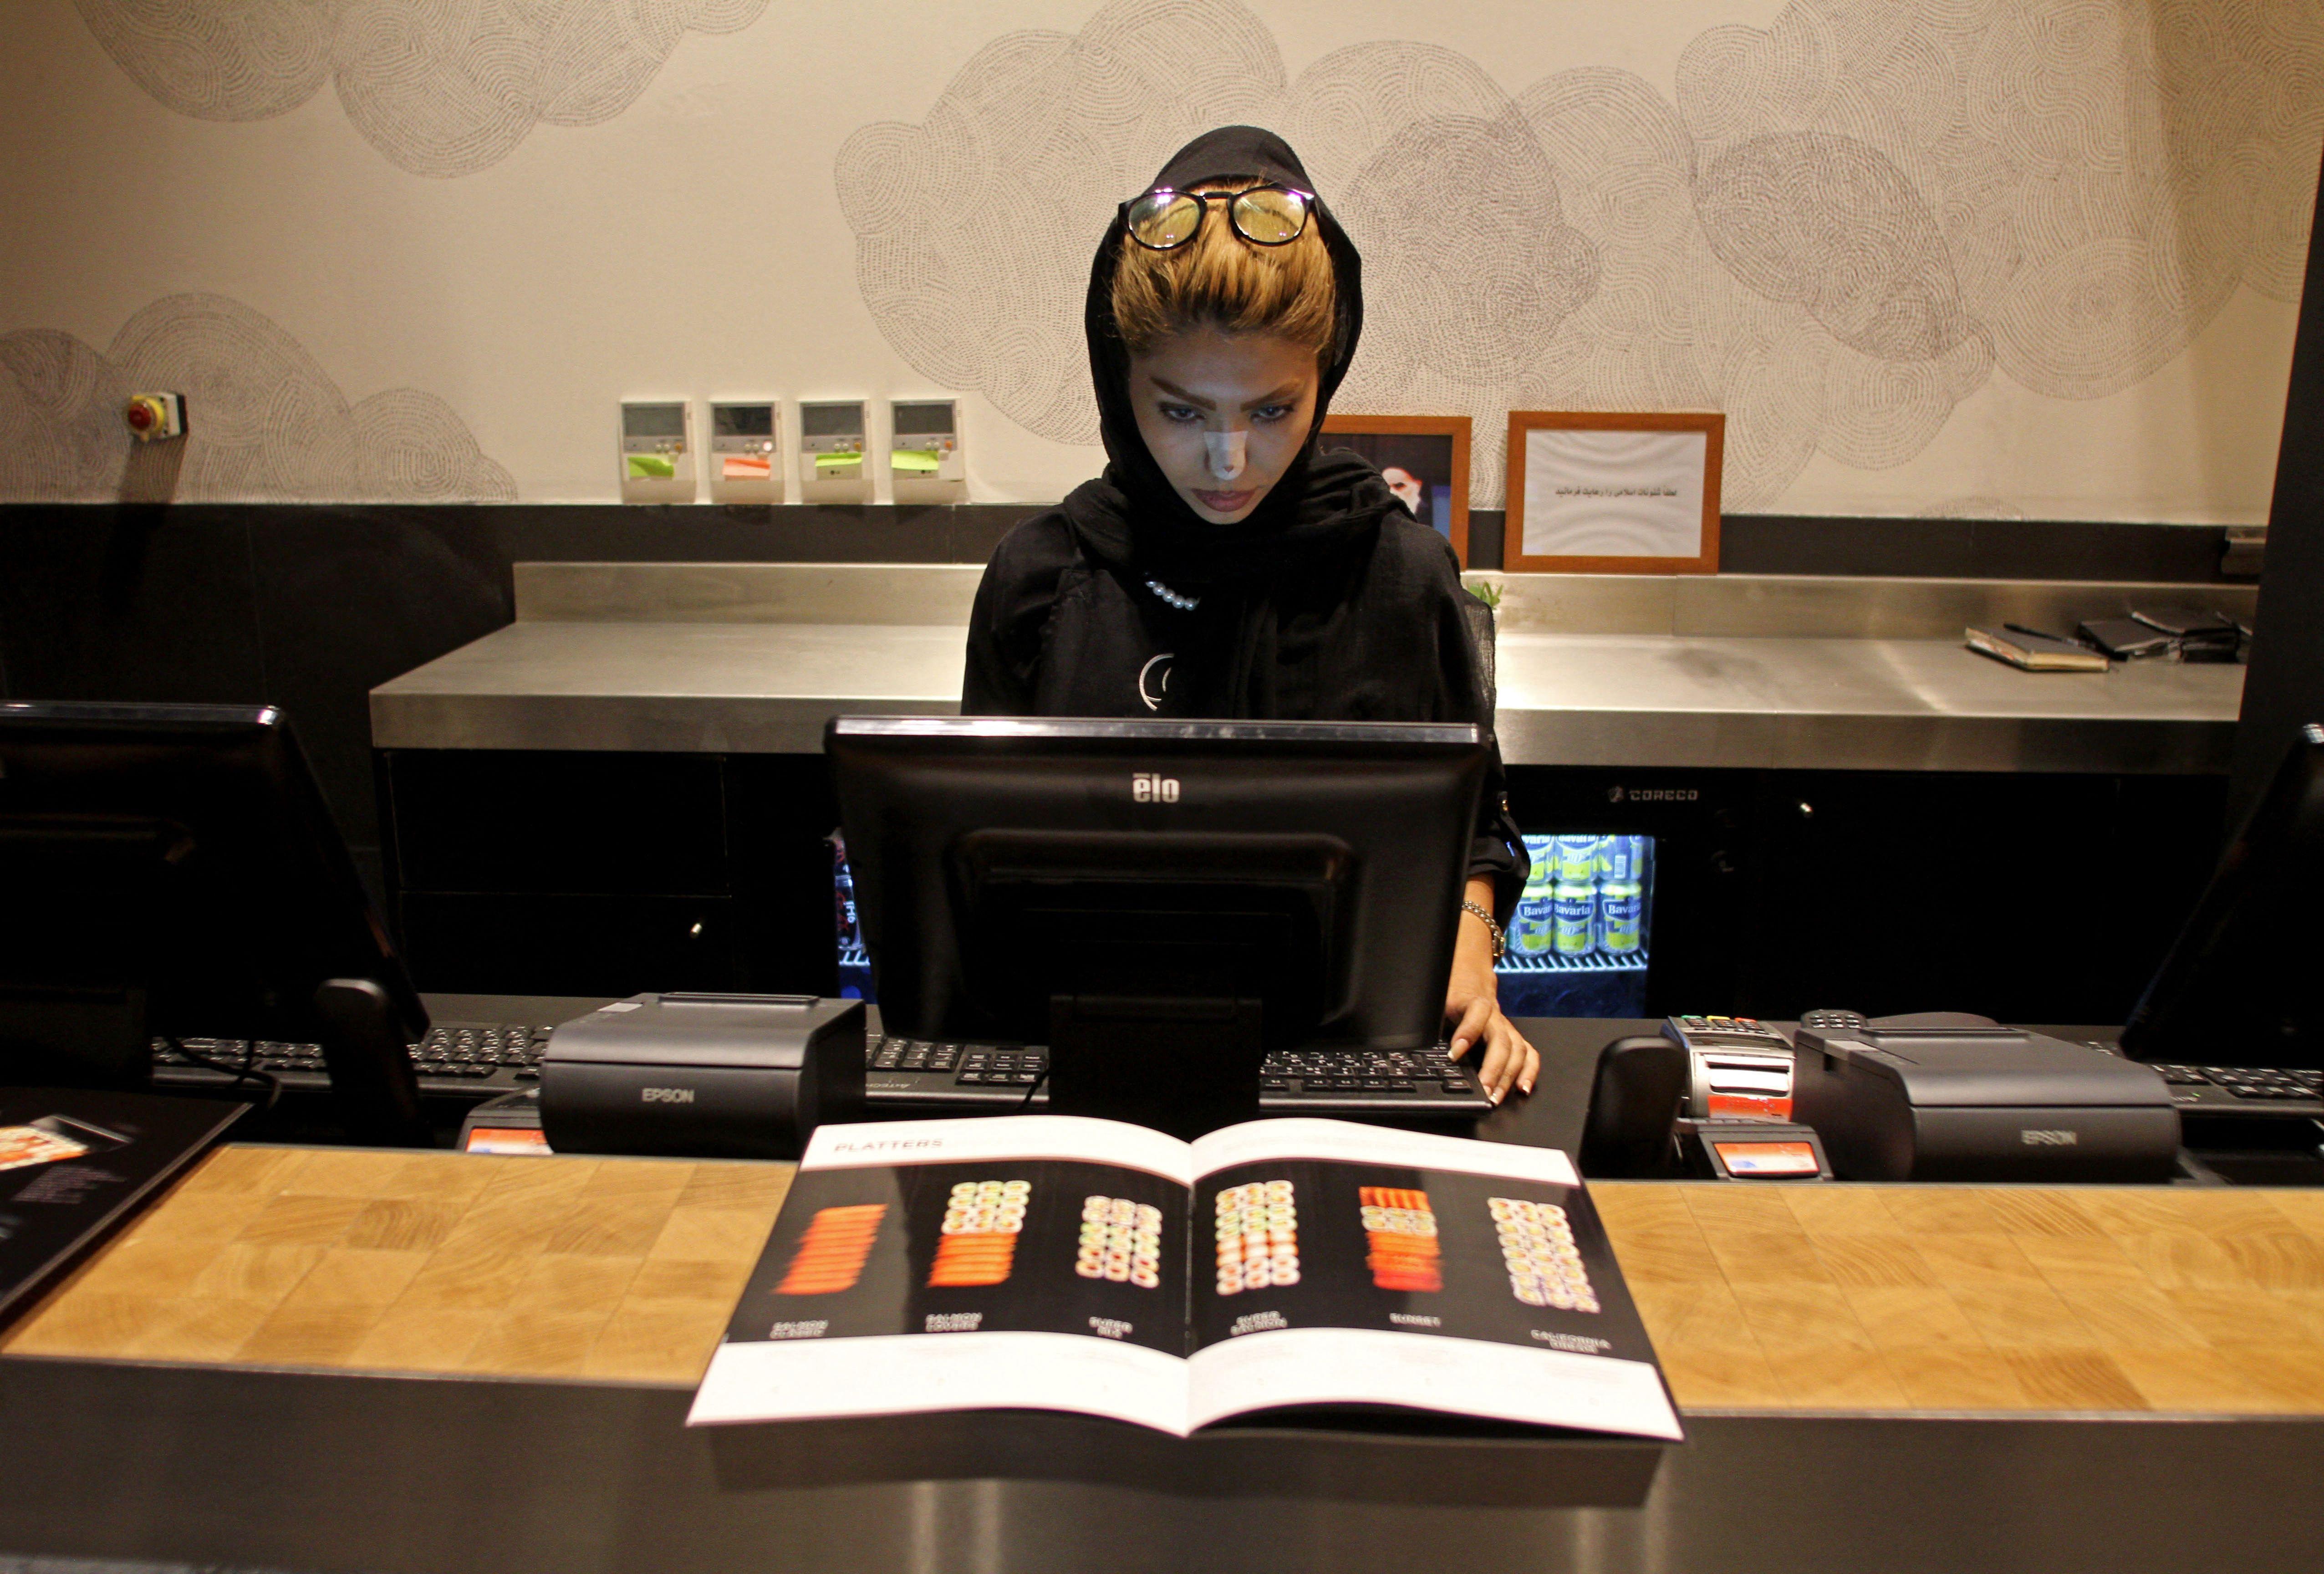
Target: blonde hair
1222	281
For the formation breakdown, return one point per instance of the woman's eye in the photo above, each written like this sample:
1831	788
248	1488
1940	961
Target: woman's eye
1271	412
1181	413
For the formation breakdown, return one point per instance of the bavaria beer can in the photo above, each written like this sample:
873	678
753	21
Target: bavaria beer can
1577	859
1622	860
1574	912
1530	931
1621	917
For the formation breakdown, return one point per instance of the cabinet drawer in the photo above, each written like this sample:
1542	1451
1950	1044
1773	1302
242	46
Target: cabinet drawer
553	944
467	821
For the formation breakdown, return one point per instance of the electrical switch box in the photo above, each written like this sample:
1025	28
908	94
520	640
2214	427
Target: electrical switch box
657	459
832	442
924	451
745	452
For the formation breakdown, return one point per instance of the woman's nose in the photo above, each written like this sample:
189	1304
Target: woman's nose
1226	452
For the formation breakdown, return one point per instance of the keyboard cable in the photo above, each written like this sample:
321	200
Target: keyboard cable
246	1072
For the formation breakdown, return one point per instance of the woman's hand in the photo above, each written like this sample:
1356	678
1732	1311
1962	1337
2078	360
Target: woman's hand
1473	1006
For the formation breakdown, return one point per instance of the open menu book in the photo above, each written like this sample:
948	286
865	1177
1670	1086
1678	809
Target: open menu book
1054	1263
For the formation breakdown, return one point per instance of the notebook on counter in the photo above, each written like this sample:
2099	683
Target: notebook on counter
2126	639
2035	651
76	1165
1309	1271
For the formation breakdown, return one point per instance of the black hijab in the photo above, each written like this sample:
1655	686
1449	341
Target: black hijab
1133	516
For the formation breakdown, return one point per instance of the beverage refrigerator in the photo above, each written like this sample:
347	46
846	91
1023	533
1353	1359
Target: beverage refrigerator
1579	943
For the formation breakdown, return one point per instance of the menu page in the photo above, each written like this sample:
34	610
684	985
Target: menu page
1351	1265
1048	1261
921	1265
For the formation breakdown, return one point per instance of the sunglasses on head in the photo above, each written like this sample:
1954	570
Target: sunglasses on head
1163	219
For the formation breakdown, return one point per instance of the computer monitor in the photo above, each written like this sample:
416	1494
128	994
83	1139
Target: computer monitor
1159	901
2238	988
171	871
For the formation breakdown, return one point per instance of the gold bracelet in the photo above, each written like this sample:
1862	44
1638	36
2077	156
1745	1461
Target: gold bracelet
1501	939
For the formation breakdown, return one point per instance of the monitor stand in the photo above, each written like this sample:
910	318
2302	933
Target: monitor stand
372	1079
1178	1065
97	1037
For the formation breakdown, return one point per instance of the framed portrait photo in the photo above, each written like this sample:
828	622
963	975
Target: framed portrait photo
1425	459
1613	493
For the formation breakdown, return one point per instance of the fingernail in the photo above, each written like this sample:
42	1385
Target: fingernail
1497	1095
1526	1090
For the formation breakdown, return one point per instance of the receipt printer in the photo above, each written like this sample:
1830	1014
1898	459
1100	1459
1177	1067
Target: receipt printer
1958	1103
703	1076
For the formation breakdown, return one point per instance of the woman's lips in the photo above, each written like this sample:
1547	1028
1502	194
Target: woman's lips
1225	502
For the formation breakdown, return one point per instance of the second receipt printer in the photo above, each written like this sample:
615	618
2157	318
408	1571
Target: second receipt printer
1981	1103
704	1076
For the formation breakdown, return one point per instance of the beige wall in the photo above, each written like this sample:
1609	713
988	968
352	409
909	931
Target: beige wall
1931	256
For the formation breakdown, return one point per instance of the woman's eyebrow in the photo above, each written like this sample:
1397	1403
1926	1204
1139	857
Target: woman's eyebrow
1174	391
1289	392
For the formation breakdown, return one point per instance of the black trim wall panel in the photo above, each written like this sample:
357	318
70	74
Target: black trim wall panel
345	601
130	604
1970	549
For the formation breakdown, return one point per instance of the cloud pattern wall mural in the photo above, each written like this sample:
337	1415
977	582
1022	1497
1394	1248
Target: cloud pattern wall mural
1839	227
439	87
264	423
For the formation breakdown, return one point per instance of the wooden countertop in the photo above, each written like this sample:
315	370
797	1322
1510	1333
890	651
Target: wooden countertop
1891	1299
1979	1298
624	1268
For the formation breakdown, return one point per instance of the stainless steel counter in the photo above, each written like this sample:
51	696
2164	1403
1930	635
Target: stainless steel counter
745	687
754	659
1851	704
543	1476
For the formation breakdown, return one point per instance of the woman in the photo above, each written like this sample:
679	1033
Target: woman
1222	567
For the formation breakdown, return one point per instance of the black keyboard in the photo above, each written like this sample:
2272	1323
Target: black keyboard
2243	1090
469	1059
1424	1083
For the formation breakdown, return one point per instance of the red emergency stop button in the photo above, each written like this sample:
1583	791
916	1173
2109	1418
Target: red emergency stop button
154	415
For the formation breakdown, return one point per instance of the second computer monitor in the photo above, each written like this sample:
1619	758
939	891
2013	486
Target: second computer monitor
2238	985
171	871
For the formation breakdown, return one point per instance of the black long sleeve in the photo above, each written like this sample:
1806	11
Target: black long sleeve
1009	626
1499	852
991	683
